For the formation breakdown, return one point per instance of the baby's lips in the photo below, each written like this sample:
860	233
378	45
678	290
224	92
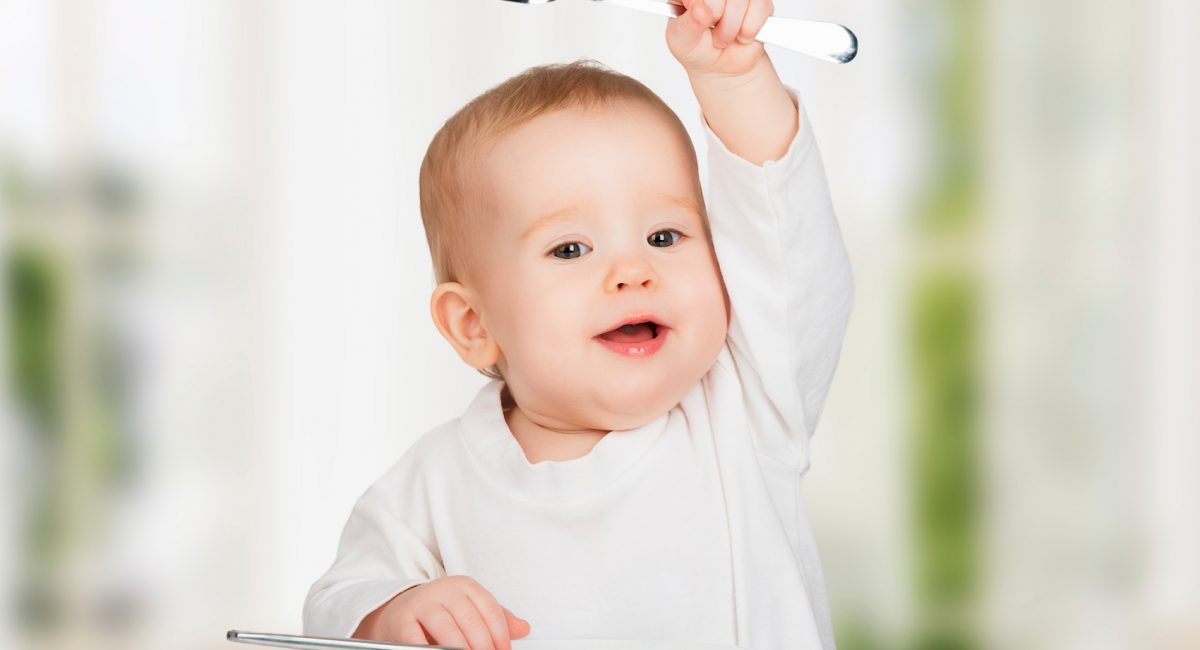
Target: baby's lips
640	317
631	334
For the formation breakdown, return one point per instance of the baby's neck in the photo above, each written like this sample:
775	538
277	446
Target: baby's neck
542	443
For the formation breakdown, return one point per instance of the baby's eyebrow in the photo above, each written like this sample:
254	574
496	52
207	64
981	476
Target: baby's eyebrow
570	212
565	214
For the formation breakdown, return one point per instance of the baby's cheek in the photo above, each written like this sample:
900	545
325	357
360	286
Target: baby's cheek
712	315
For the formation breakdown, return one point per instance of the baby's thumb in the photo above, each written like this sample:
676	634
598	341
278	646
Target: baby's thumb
517	627
687	29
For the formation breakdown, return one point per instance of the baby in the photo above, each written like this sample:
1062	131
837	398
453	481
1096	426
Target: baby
658	359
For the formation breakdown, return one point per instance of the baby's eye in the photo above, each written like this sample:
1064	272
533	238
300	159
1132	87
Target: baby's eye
663	239
570	250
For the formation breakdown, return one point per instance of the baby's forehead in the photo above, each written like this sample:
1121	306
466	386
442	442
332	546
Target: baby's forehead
563	136
611	117
618	152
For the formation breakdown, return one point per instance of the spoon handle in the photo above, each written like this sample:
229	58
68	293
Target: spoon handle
826	41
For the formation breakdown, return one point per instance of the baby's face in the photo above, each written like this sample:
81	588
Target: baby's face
596	217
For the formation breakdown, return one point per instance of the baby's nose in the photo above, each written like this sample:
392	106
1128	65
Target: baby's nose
630	272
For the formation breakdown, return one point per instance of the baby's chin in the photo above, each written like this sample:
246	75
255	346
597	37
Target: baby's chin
612	401
629	407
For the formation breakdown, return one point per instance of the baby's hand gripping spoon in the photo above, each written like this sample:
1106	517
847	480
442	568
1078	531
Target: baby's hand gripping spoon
826	41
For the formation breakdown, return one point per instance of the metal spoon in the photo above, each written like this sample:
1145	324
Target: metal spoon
826	41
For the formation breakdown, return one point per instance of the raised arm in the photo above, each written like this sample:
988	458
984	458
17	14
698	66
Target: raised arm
789	282
774	230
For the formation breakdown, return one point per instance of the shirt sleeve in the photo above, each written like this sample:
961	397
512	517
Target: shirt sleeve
378	557
789	283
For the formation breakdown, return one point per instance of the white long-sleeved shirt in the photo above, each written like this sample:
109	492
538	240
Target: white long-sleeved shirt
688	528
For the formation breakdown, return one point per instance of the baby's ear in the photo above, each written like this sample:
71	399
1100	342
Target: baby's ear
453	307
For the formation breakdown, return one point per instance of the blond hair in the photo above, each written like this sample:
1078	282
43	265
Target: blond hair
448	209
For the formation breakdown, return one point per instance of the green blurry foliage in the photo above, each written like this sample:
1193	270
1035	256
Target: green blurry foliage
32	294
945	459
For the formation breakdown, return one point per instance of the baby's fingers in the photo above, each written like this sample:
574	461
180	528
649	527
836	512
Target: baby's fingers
492	617
693	24
471	623
408	630
439	623
495	617
517	627
688	36
756	16
730	23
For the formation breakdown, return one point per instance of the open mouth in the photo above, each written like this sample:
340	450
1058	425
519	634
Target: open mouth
640	339
632	333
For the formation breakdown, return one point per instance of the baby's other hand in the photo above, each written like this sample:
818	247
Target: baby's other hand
727	50
451	611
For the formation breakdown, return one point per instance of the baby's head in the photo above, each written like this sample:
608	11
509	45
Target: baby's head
558	205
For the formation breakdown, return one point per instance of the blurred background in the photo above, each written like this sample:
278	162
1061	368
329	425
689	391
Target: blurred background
216	332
